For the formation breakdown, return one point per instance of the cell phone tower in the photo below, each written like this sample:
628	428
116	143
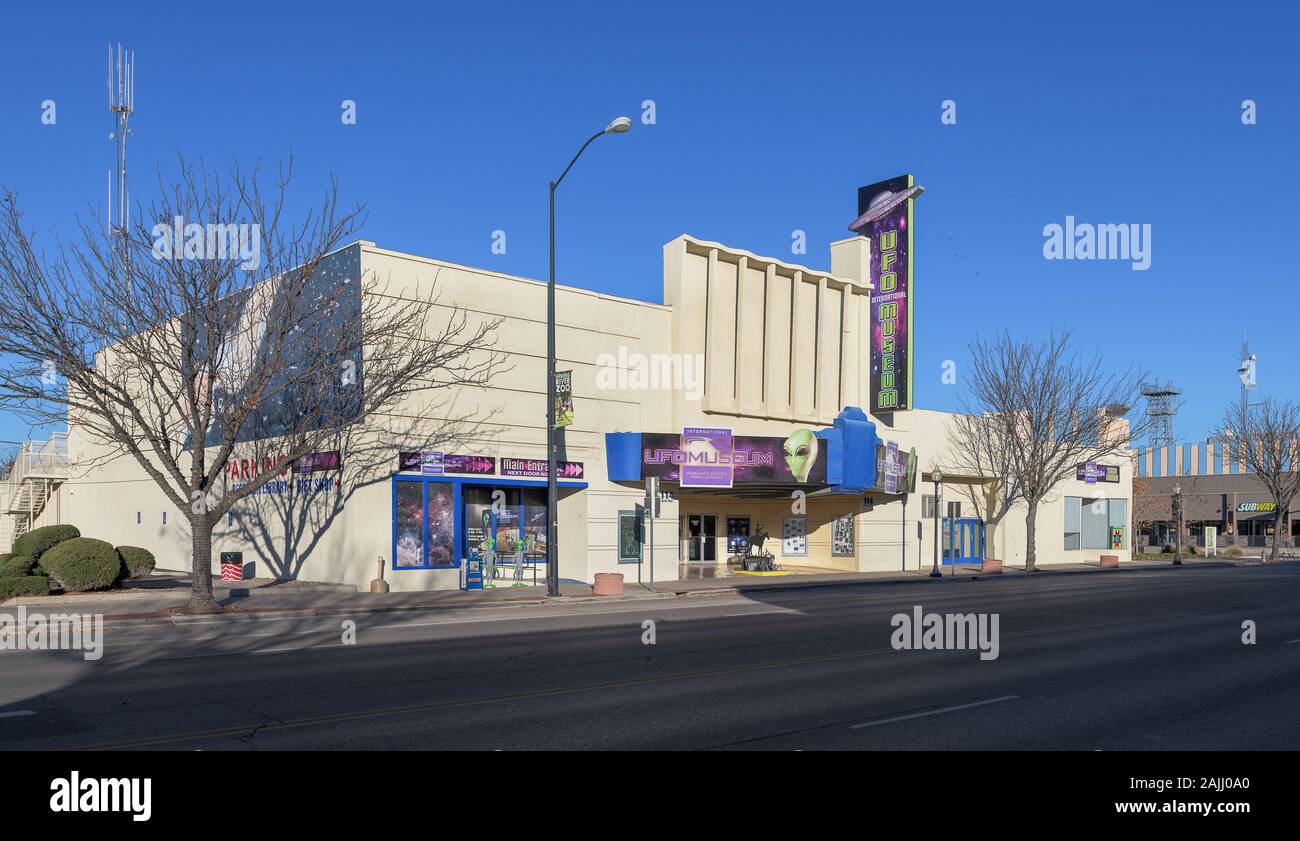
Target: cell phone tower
121	104
1246	373
1161	410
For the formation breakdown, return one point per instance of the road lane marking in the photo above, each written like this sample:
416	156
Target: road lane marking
17	713
407	709
940	711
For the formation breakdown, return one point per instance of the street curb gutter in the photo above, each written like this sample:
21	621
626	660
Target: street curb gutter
885	582
168	618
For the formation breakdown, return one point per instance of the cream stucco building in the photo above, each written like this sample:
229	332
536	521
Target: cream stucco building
755	346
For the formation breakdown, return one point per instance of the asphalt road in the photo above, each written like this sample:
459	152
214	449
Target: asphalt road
1122	660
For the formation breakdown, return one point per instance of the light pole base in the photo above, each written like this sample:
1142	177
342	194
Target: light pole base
934	573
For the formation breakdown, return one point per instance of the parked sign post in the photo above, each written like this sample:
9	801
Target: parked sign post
652	511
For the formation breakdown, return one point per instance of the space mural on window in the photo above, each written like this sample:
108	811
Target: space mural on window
408	513
413	539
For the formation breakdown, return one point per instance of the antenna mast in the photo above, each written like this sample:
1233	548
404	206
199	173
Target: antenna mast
1161	409
1246	371
121	104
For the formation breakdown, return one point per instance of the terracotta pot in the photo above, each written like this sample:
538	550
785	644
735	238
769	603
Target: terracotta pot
608	584
1110	561
991	566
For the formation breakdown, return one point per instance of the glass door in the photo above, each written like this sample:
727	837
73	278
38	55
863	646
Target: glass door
701	537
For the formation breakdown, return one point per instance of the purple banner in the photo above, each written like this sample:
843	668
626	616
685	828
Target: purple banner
473	465
753	460
451	463
431	463
707	462
313	462
1092	473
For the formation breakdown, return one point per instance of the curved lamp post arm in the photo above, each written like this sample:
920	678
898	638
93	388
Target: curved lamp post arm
556	182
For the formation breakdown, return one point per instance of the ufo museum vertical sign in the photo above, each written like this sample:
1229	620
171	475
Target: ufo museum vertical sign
885	216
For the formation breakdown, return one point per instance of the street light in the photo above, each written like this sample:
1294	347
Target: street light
1178	525
619	125
936	477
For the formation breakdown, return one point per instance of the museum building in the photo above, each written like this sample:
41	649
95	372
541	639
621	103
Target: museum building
766	399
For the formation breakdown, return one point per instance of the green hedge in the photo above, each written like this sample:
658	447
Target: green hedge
16	566
84	563
139	562
24	585
39	541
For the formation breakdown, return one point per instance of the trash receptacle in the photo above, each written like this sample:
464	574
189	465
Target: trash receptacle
232	566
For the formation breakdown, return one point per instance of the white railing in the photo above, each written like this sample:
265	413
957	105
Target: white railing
41	458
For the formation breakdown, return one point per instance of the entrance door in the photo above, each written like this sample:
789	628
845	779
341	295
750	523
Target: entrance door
701	537
963	541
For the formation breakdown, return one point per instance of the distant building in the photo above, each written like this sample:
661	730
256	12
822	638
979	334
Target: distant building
1217	490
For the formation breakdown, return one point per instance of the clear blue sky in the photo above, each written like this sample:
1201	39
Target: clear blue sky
768	119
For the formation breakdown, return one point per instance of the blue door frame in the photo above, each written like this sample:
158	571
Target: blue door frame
457	484
963	541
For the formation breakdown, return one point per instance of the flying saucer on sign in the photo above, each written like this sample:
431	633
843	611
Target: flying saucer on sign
882	204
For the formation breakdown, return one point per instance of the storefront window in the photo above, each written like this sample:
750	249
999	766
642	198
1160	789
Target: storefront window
508	527
408	515
1096	523
794	536
478	519
442	524
737	534
1118	524
1072	518
534	524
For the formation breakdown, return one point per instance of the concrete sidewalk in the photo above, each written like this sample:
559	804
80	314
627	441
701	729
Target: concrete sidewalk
152	601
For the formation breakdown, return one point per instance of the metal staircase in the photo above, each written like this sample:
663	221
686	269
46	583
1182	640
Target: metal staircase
40	468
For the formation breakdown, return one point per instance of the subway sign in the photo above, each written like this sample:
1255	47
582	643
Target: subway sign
1256	507
885	216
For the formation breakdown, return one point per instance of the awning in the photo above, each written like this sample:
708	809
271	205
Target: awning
843	460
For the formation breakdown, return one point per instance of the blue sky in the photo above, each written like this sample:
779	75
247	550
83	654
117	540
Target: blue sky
768	118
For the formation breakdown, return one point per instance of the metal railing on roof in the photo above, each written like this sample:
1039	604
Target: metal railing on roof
41	459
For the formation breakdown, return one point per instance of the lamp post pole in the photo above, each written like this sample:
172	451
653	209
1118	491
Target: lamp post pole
618	126
936	477
1178	525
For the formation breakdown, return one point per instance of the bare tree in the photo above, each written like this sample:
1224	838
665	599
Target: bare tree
1264	438
214	322
8	459
979	449
1039	412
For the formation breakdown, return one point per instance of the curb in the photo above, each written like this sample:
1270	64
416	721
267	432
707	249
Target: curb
163	617
885	582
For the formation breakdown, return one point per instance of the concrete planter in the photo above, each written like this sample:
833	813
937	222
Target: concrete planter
608	584
1110	561
991	566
